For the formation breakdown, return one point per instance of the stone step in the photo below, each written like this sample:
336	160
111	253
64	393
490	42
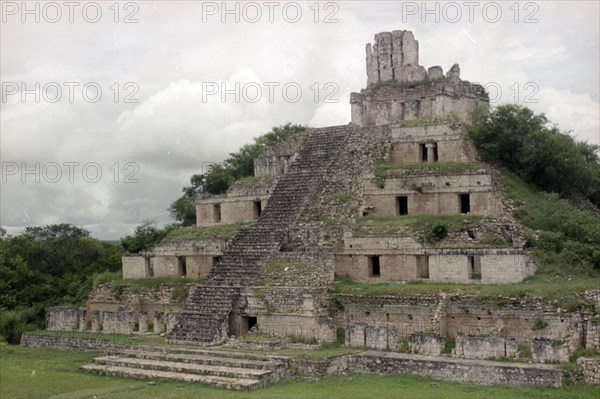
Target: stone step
184	367
238	384
206	358
229	353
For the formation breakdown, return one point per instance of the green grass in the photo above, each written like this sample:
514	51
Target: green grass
344	197
438	168
407	225
541	285
220	232
36	373
179	284
151	282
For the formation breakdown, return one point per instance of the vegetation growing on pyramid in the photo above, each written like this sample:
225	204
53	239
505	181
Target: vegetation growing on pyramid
537	151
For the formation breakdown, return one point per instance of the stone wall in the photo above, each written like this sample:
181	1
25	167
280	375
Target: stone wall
404	258
426	343
398	88
230	209
135	267
117	323
62	318
105	322
360	335
315	370
243	202
286	311
306	269
479	265
407	144
428	193
390	103
590	370
276	161
69	343
544	350
394	56
392	267
499	317
459	370
475	347
149	307
187	258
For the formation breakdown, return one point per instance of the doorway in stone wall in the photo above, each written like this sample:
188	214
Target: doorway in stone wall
257	209
240	325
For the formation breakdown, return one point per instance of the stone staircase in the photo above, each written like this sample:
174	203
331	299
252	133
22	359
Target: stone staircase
221	369
205	318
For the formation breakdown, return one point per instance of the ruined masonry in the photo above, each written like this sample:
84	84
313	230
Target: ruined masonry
399	194
313	199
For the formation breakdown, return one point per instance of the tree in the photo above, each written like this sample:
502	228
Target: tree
220	176
538	152
48	266
146	235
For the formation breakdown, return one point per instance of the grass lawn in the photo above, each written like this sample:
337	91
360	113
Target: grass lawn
220	232
37	373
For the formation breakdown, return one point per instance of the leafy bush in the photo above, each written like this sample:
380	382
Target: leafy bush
448	346
550	241
539	324
438	232
146	235
14	322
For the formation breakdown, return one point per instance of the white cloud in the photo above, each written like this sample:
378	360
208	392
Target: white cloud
578	113
171	132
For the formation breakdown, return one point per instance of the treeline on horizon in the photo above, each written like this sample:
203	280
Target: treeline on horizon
57	265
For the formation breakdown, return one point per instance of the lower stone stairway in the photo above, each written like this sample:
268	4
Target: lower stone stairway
220	369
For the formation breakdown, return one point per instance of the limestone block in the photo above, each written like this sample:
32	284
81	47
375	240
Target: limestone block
545	350
159	322
478	347
411	73
143	323
95	321
355	335
117	322
372	65
435	72
82	319
590	370
377	338
62	318
410	49
426	343
454	73
384	55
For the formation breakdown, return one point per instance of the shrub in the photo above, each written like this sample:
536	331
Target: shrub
438	232
14	322
539	324
450	344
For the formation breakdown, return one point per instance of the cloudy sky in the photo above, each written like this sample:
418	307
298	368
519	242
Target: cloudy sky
107	111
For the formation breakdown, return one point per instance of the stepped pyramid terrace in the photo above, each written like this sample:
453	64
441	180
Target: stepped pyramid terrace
399	195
